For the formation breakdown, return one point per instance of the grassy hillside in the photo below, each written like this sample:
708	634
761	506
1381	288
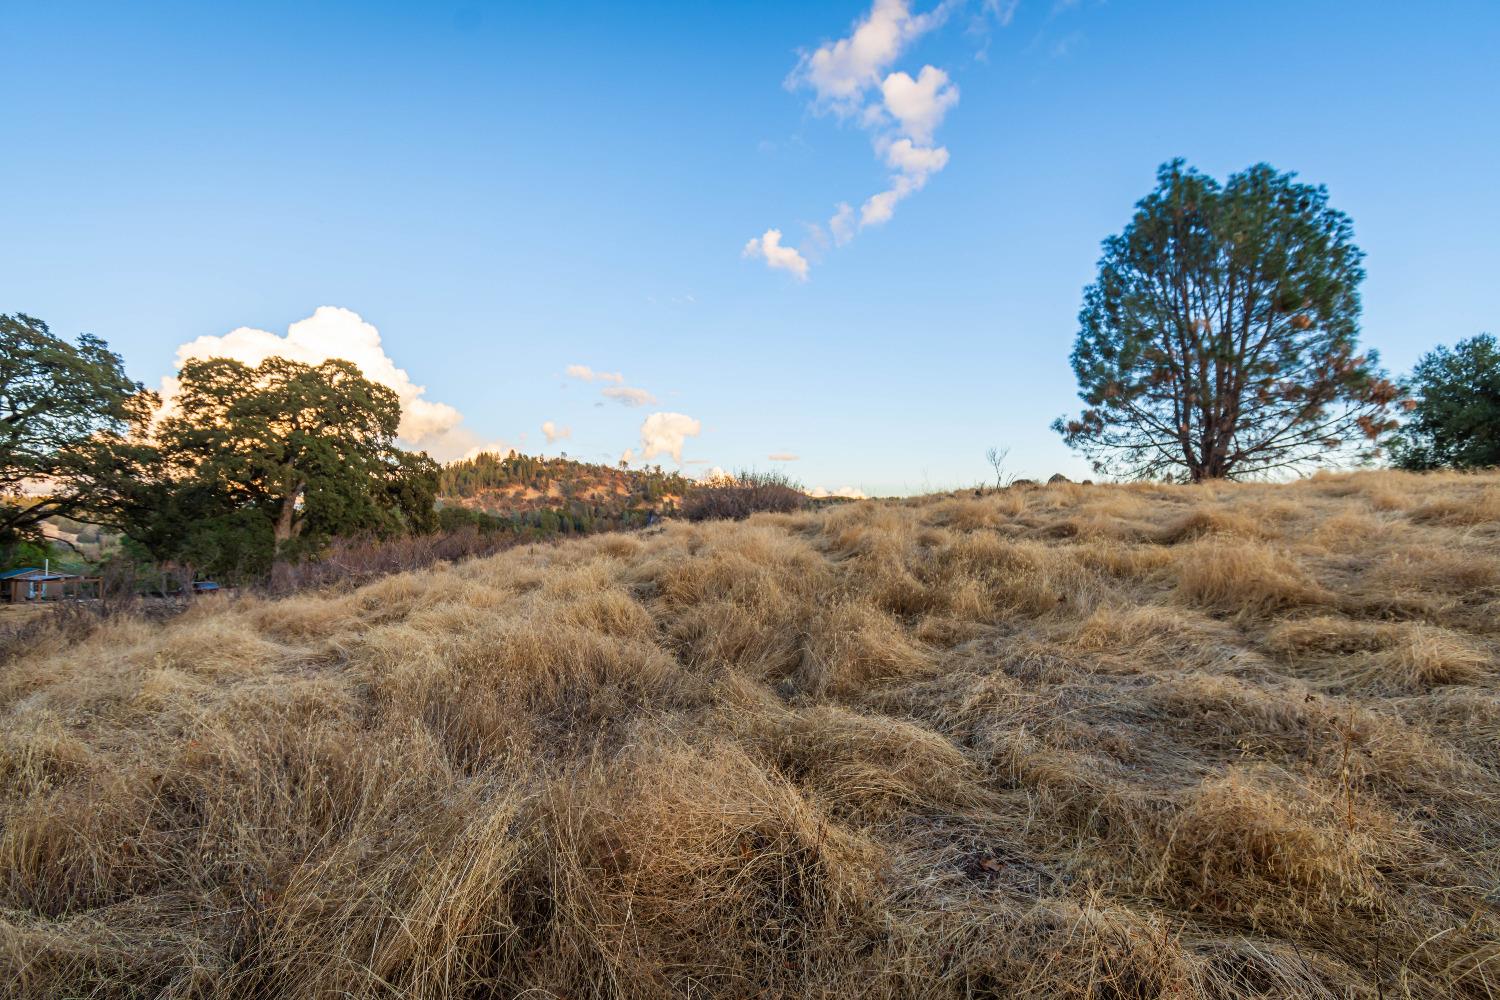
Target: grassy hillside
1110	742
518	484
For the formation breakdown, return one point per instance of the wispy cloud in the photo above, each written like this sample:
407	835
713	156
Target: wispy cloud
854	78
554	433
628	395
1065	45
617	390
1003	11
588	374
782	456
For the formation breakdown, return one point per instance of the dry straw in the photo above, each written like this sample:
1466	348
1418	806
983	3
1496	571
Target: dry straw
1107	742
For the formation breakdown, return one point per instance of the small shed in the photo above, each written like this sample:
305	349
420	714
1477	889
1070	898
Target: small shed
23	586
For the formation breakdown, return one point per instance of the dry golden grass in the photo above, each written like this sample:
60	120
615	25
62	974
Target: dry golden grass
1105	742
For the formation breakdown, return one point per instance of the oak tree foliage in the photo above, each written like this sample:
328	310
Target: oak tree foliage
56	398
258	464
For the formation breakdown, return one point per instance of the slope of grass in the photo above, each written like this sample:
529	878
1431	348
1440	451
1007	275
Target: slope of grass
1109	742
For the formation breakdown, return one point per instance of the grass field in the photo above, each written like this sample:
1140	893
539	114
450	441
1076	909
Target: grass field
1075	741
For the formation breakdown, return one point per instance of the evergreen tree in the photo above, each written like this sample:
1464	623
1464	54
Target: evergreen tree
1454	417
1221	338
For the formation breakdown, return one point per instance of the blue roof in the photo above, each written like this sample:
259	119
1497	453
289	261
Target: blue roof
19	572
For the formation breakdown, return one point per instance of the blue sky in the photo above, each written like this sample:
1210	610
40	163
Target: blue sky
505	191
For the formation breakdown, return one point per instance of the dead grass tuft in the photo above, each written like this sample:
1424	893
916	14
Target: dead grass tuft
1204	522
1476	505
1244	578
1403	655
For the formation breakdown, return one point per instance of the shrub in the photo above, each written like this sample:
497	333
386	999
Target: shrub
352	561
743	494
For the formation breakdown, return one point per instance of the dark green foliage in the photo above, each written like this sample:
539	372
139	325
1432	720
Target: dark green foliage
1454	417
458	518
1221	338
264	464
55	399
24	554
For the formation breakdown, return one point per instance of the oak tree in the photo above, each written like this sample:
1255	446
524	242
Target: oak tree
252	465
56	399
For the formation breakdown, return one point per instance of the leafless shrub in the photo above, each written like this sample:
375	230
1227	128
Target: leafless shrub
744	494
352	561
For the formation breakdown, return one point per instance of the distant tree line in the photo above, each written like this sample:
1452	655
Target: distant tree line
489	471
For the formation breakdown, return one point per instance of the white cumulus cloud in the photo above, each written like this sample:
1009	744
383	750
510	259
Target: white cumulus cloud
331	332
855	78
913	160
840	72
919	105
785	258
498	448
554	433
665	433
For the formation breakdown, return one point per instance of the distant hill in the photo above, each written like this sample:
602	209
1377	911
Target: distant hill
76	540
561	493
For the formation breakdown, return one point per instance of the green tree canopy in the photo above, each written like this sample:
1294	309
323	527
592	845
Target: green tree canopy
1220	339
56	398
265	463
1454	420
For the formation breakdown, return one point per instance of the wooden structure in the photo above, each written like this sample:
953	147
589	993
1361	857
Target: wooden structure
25	586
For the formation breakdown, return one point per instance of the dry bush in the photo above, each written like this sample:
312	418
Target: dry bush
742	495
351	561
1110	742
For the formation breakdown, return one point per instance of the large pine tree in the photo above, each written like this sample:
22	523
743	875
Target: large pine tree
1221	337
